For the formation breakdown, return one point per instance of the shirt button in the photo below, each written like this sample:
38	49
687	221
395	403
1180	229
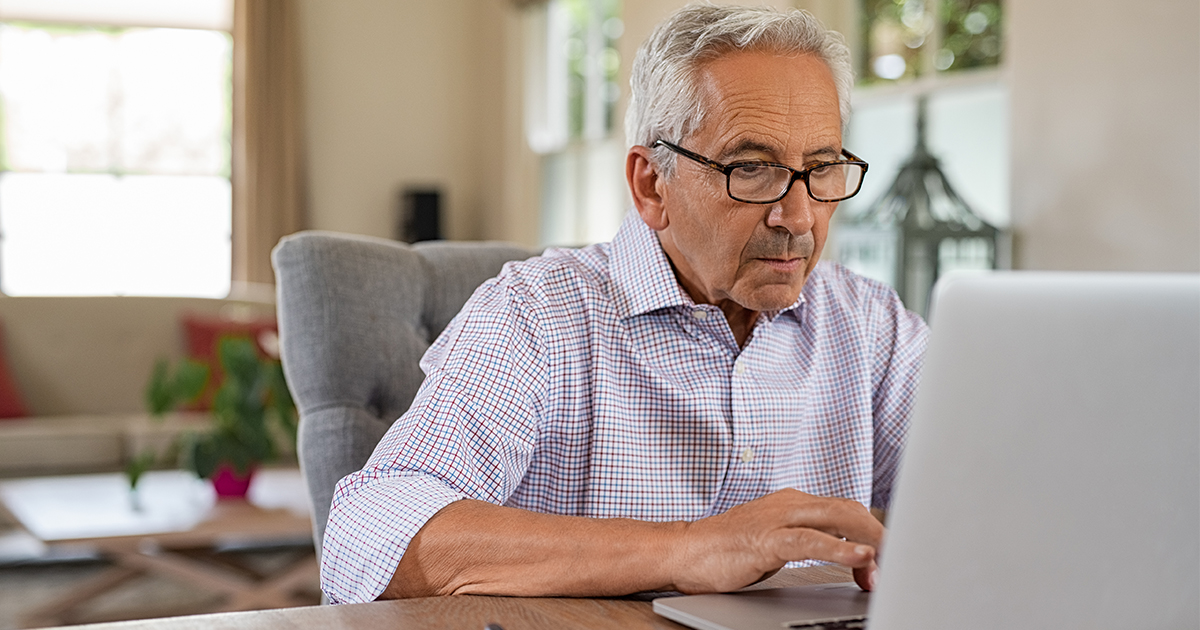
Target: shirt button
747	455
700	313
739	368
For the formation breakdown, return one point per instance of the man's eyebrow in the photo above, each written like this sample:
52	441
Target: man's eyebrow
747	146
823	154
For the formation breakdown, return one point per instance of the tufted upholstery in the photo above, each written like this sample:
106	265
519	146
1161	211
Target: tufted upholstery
355	316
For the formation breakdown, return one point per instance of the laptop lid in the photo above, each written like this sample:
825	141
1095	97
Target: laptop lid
1052	473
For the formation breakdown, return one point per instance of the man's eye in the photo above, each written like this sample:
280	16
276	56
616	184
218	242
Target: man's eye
751	171
825	172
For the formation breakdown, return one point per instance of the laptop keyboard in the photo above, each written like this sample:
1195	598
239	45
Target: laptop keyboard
841	624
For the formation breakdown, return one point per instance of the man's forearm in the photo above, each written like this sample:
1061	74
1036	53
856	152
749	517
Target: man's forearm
474	547
480	548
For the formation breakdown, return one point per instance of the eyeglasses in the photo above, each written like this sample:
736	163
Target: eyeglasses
768	182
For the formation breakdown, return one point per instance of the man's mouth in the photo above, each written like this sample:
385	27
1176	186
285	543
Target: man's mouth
787	265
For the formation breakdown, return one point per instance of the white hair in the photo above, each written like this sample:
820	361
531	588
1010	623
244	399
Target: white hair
664	101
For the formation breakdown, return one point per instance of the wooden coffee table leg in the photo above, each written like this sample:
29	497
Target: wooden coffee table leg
187	570
276	591
58	610
243	592
297	575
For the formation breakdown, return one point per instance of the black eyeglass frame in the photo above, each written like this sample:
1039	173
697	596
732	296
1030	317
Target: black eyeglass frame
726	169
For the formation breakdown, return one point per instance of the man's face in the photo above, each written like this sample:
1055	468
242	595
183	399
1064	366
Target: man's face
759	106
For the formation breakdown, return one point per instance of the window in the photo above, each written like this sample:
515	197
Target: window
570	110
115	154
948	52
905	39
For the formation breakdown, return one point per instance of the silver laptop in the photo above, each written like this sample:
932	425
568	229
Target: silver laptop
1052	473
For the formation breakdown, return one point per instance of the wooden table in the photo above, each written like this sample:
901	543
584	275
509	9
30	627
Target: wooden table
467	612
169	531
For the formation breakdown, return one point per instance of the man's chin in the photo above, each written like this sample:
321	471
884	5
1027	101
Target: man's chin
773	297
769	290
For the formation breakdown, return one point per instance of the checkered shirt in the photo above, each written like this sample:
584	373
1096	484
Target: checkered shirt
586	382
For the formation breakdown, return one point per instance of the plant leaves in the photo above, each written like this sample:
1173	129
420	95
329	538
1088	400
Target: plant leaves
165	392
252	397
158	390
239	359
190	379
138	465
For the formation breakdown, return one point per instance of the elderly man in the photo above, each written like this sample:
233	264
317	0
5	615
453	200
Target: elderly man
689	407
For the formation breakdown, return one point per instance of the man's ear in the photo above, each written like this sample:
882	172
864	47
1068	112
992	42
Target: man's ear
646	187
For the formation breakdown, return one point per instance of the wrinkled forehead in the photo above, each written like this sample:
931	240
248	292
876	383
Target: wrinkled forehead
785	101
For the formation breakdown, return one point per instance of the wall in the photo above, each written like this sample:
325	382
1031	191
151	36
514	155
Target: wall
393	98
1105	134
510	207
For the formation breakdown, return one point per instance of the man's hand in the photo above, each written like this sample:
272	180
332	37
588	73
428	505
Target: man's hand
739	547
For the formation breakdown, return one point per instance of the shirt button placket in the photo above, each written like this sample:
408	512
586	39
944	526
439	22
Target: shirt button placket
746	454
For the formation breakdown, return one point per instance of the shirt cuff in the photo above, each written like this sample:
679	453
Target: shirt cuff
370	527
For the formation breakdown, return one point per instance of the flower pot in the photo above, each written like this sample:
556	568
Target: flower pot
230	484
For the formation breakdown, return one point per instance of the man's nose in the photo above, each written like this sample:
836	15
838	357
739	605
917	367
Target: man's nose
796	212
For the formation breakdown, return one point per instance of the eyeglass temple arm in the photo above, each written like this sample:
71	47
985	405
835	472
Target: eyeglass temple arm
695	157
857	159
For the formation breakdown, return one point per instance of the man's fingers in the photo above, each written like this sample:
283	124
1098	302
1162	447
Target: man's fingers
840	518
865	576
803	543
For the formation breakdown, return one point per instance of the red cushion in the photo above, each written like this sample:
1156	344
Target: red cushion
12	405
203	333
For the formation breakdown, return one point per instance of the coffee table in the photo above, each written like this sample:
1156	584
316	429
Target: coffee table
169	528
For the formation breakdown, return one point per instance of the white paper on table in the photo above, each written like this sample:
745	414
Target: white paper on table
94	506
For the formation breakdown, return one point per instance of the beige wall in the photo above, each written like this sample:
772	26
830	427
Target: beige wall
398	94
510	208
1106	134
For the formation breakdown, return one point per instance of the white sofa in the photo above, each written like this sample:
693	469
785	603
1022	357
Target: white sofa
82	364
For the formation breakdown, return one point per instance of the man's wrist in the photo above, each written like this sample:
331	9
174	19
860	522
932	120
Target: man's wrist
673	550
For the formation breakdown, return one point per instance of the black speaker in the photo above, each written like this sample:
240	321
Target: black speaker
419	215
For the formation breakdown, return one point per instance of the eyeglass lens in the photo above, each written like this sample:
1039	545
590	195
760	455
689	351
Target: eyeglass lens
759	183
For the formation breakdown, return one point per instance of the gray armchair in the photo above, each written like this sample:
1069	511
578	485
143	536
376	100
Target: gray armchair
355	316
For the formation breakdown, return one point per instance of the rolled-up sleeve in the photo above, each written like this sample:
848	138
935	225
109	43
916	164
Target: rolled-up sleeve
469	433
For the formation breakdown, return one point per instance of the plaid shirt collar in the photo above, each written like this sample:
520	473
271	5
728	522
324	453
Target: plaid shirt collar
641	274
644	280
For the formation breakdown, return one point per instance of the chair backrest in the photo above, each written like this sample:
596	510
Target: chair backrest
355	316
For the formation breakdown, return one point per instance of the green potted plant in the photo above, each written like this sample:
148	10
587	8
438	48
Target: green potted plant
252	412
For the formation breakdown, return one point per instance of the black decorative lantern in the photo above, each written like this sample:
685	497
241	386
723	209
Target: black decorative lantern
918	230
